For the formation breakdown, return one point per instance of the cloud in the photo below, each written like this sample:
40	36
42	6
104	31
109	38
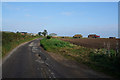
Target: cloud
66	13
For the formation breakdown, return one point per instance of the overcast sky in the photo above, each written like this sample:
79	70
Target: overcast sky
63	18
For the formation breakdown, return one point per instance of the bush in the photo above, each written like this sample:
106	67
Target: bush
49	37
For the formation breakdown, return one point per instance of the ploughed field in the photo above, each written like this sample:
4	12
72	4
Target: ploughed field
94	42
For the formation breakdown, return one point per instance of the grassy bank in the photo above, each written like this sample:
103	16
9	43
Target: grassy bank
11	40
95	58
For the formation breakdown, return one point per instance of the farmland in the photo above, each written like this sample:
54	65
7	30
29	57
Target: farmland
94	43
98	59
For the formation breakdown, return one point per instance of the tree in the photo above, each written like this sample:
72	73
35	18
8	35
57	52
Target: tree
39	33
17	32
45	32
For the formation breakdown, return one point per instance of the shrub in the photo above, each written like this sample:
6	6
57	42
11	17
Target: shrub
49	37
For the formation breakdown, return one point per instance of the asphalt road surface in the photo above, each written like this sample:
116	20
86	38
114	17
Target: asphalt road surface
29	61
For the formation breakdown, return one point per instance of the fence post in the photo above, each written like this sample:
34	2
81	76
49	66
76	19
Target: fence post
117	50
104	49
108	49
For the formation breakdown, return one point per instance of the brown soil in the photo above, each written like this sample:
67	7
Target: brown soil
94	43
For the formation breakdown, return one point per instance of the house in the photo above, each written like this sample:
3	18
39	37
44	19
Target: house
23	33
34	34
30	34
93	36
77	36
52	34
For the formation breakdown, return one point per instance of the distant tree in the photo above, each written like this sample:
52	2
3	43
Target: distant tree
45	32
39	33
17	32
49	37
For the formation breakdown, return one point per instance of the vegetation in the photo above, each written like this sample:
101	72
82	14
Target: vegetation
95	58
45	32
10	40
49	37
40	33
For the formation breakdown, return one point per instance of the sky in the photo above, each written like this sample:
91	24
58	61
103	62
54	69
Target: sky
60	0
62	18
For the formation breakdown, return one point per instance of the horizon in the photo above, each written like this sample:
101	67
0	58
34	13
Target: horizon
62	18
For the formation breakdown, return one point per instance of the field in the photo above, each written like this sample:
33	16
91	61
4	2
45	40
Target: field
94	43
98	59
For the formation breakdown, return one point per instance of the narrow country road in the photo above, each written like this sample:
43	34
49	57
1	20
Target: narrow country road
29	61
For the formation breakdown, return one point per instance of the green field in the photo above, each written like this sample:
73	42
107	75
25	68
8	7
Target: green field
94	58
11	40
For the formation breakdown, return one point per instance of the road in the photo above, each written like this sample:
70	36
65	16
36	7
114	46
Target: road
30	61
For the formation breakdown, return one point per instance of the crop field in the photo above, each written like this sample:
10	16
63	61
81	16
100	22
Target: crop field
94	43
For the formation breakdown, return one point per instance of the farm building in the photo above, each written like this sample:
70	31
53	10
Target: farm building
77	36
23	33
93	36
52	34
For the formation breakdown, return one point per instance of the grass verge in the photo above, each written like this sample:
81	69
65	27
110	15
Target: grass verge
12	40
94	58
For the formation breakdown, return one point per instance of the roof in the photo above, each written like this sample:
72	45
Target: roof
78	35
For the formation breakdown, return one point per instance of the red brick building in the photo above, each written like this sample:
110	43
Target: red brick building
93	36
